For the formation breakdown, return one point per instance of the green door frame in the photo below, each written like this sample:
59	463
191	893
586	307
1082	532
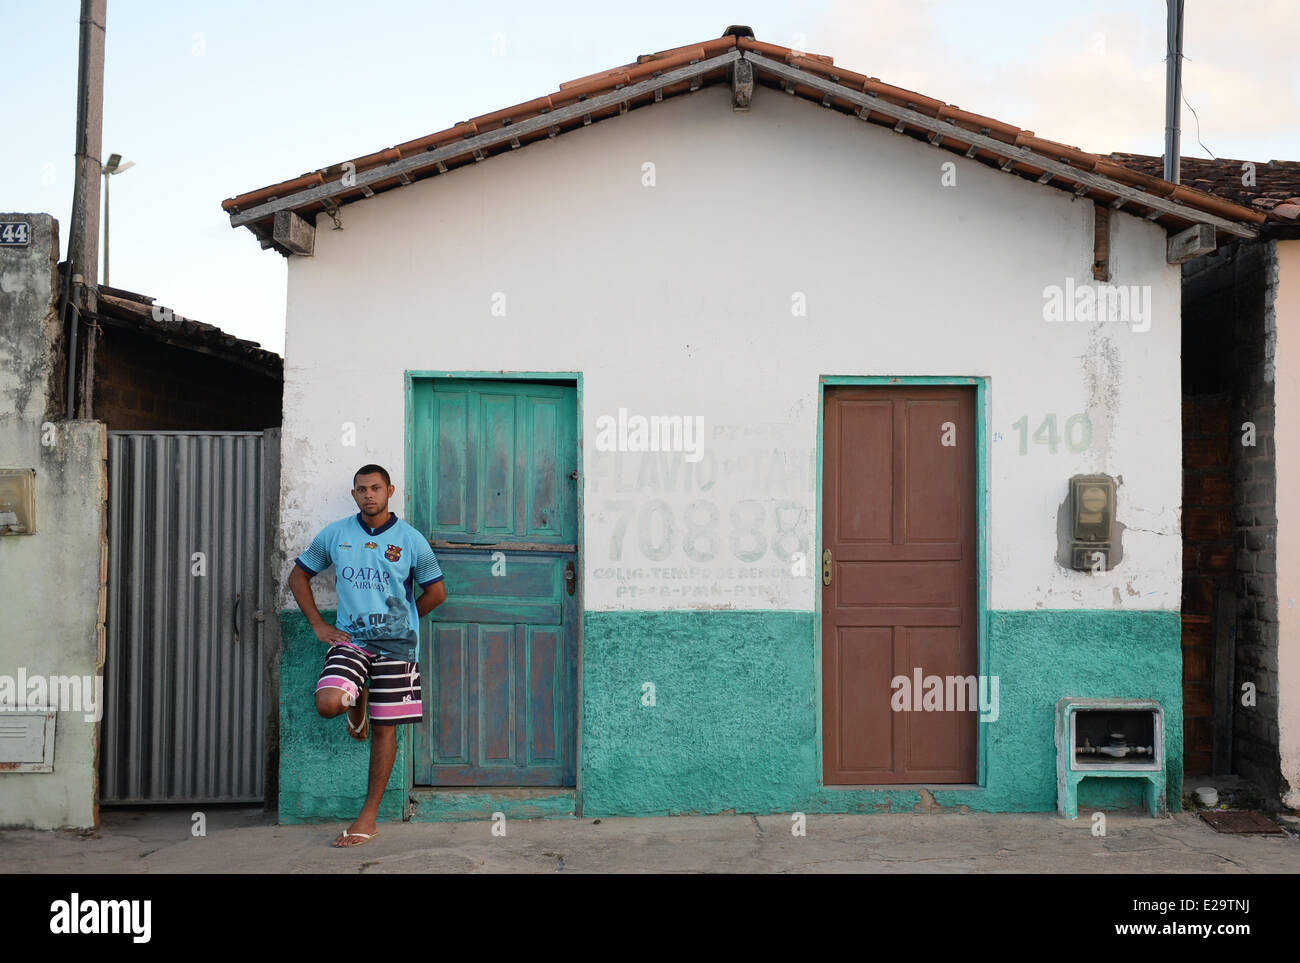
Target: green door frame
981	540
408	442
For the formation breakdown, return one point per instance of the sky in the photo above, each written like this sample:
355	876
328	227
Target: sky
211	100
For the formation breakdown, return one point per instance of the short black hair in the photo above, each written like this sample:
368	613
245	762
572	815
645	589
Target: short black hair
370	470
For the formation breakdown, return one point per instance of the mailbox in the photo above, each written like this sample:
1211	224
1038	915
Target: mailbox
17	501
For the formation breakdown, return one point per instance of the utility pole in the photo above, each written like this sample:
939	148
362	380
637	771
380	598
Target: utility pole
1173	88
82	267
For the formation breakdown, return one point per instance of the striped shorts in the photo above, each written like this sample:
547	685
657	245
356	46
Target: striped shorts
394	685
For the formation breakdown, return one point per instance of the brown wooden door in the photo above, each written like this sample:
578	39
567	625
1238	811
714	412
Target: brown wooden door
899	521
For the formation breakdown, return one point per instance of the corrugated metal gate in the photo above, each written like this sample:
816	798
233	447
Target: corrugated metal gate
191	518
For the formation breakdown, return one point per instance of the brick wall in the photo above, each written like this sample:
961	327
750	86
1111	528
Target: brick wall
1208	564
1228	354
144	384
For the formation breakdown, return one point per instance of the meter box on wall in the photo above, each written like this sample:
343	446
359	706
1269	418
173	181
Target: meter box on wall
1092	522
17	501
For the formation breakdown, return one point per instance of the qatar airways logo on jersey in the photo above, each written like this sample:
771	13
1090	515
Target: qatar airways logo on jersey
365	577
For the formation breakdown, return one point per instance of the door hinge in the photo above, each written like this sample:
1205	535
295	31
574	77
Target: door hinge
826	567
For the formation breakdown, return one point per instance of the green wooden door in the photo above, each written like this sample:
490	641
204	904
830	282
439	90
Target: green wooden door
495	490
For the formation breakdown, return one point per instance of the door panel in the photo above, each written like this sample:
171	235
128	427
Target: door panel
185	695
899	522
494	493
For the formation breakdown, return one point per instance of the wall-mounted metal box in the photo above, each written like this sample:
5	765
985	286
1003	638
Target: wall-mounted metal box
26	740
17	501
1092	522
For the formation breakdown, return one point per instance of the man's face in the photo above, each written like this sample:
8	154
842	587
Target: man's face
372	494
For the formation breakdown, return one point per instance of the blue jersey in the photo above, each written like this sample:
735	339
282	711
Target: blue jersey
374	571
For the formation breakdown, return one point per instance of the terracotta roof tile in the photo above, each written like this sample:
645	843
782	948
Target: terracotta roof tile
1274	193
813	69
139	311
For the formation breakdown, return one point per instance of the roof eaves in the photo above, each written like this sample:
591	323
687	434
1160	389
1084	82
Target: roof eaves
577	106
1027	155
812	76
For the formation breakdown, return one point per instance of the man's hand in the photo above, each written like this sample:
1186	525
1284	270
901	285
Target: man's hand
300	586
329	634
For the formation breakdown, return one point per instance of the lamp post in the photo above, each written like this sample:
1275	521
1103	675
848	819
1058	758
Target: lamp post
114	166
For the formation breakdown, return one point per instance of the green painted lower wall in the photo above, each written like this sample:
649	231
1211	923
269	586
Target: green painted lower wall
736	721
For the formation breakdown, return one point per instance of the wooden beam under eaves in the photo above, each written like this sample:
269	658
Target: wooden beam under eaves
293	233
1100	242
1193	242
742	84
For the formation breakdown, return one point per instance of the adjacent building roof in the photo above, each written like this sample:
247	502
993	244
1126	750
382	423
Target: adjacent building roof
1272	187
743	61
138	312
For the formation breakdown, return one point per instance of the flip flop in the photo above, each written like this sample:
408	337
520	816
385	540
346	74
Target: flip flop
362	732
345	834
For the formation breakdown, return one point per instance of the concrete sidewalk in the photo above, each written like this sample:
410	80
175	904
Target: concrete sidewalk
246	839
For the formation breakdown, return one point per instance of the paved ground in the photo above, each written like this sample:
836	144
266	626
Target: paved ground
246	839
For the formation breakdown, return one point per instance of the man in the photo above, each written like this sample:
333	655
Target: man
371	667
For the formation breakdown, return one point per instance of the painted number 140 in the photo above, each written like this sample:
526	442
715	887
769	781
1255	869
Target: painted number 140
1078	433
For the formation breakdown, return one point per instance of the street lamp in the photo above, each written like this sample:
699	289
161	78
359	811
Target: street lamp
114	166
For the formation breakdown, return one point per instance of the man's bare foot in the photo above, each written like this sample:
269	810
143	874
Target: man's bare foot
361	831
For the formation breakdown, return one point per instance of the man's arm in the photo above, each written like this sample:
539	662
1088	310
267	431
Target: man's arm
433	595
428	574
300	586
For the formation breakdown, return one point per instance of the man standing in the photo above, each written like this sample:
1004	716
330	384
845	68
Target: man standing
375	644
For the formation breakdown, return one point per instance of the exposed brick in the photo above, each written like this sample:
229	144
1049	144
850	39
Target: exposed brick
1217	559
1205	453
1257	539
1210	488
1207	525
1198	595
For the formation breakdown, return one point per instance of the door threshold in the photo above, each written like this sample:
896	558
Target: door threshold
450	803
505	792
911	787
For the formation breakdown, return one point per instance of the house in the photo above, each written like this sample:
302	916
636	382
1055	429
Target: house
790	442
137	452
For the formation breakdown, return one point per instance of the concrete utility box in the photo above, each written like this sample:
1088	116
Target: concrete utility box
1113	738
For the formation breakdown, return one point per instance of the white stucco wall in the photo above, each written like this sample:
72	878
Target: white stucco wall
51	581
1286	438
677	299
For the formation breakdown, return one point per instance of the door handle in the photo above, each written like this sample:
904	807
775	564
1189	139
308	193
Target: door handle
570	578
826	567
234	617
